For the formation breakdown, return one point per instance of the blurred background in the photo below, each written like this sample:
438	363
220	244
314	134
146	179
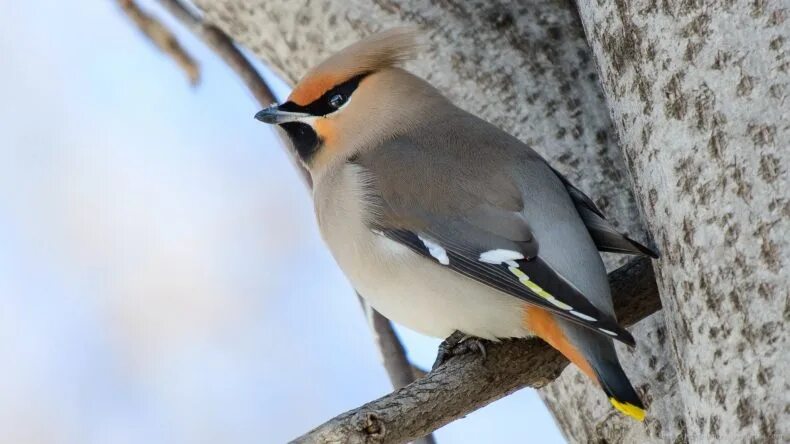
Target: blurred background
161	275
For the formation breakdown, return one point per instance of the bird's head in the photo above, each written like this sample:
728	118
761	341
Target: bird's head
353	99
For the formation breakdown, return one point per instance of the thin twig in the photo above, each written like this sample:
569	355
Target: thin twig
224	47
466	383
393	355
400	370
162	38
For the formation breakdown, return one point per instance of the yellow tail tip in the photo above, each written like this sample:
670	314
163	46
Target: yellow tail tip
629	409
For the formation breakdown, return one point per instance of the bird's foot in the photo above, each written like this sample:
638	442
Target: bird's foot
457	344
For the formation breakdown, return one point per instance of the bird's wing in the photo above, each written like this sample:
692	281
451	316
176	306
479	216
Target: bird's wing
480	233
603	233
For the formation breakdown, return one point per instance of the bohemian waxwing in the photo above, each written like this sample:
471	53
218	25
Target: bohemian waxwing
445	223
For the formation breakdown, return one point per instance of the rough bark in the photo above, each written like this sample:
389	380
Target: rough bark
467	382
699	96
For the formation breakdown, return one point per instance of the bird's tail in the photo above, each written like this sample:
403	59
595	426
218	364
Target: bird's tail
592	353
619	389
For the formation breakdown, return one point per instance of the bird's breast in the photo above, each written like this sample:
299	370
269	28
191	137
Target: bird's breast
402	285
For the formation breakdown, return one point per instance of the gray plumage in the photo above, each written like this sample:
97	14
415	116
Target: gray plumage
471	188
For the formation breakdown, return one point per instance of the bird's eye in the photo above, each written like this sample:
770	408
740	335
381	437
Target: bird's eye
337	100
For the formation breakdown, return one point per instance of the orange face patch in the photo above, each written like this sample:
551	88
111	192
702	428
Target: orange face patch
326	130
542	323
313	87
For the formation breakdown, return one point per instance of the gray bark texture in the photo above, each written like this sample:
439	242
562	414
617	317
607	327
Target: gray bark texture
709	161
699	95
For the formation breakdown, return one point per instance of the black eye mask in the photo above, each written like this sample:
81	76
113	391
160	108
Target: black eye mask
325	104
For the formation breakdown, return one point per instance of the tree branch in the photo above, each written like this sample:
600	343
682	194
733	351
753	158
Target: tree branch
393	355
466	383
162	38
224	47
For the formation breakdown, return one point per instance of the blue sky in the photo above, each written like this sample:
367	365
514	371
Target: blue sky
161	276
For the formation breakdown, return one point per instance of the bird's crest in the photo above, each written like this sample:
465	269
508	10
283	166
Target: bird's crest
378	51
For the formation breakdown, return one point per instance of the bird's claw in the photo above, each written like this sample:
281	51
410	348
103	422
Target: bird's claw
457	344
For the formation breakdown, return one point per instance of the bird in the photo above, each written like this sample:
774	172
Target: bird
445	223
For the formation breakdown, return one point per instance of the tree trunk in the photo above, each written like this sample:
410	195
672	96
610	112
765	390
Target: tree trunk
698	92
525	66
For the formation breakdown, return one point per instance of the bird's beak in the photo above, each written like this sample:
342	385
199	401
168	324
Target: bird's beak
274	115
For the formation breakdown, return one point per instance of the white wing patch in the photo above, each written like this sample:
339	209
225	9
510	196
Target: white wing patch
436	250
500	256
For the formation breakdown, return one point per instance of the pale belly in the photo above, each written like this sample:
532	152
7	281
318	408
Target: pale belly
428	297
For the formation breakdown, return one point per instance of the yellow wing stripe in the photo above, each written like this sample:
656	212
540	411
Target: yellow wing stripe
524	279
629	409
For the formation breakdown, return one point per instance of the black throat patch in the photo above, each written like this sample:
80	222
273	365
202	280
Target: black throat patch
304	139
